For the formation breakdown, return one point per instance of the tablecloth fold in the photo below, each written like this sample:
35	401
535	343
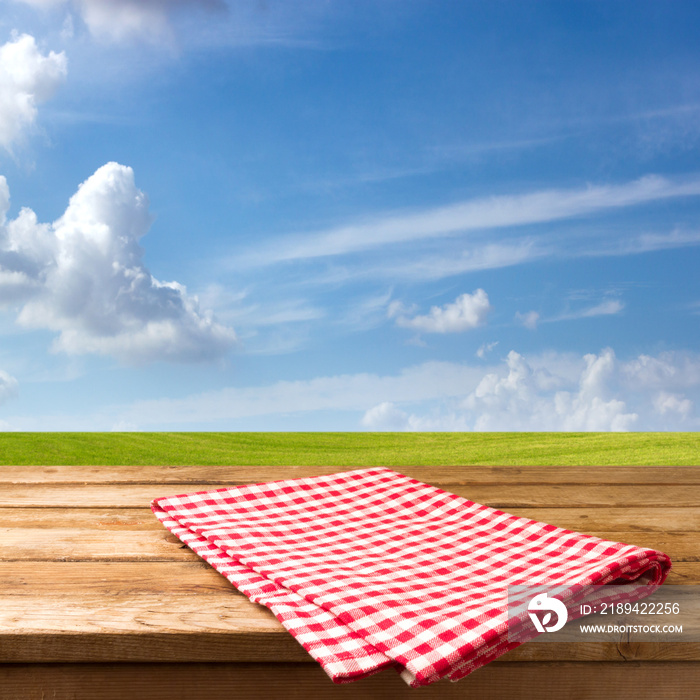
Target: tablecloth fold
370	568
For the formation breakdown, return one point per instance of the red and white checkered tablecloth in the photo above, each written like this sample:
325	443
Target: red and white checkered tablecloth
370	568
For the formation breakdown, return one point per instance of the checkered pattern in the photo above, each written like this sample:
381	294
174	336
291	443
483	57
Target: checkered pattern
370	568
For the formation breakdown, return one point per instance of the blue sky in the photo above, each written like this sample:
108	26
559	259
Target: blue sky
349	215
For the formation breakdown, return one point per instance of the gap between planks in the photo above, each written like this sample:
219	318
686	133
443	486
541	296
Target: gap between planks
68	578
73	544
502	496
654	680
632	519
444	475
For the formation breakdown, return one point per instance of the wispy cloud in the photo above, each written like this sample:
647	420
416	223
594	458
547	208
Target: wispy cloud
643	243
608	307
485	349
120	20
352	392
8	387
500	211
365	312
458	258
529	319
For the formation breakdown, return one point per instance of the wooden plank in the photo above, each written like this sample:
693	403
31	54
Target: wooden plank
163	577
277	646
661	519
69	544
207	681
495	495
440	476
271	646
64	579
89	495
94	518
684	574
73	544
582	518
68	579
95	613
148	627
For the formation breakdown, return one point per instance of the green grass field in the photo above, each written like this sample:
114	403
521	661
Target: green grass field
350	449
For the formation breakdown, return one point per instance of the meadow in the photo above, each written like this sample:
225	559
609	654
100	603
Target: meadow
350	449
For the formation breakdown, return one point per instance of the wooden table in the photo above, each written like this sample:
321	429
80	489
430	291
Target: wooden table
98	601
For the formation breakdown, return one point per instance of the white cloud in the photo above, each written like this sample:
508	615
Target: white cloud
529	319
398	308
485	349
27	78
673	403
83	277
477	214
532	398
8	387
552	391
352	392
667	371
608	307
385	416
468	311
117	20
604	394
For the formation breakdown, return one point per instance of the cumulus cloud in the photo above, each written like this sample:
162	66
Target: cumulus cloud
527	398
27	78
83	277
468	311
117	20
594	393
550	391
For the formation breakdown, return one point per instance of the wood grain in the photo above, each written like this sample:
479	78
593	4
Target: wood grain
207	681
87	574
439	476
660	519
495	495
64	579
93	518
93	613
73	544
